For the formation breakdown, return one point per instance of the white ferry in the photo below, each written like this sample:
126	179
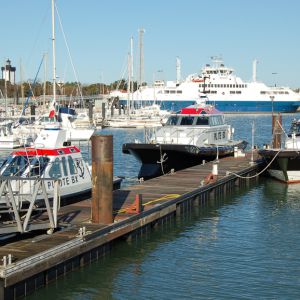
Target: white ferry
224	89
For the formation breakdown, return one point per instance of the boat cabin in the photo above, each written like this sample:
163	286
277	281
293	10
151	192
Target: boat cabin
195	120
295	128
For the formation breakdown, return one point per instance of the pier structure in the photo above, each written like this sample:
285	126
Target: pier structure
34	261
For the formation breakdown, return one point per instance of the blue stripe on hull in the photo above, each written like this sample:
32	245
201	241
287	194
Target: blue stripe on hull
228	106
257	106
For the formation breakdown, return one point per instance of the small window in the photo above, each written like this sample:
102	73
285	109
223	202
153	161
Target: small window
38	166
72	167
172	120
223	134
55	171
64	165
202	121
60	152
187	121
72	150
215	136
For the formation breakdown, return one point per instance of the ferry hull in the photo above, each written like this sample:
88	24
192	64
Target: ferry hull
230	106
256	106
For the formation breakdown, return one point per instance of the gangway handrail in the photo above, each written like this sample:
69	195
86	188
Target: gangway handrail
19	208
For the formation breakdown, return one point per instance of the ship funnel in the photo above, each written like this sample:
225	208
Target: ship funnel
254	70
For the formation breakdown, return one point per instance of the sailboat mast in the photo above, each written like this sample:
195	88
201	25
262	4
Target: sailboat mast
53	51
128	84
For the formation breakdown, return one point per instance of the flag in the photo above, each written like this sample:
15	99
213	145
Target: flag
52	109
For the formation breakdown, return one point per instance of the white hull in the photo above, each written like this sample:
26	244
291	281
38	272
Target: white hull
293	176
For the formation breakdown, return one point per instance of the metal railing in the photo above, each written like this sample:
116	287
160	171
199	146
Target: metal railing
23	210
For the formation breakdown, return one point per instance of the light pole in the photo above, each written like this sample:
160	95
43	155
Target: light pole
272	99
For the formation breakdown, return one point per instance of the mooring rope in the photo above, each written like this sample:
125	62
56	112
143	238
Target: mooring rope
256	175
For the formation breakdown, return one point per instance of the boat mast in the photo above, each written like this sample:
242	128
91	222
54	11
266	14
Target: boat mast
141	44
53	52
128	84
131	67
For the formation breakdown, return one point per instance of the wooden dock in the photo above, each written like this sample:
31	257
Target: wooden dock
32	261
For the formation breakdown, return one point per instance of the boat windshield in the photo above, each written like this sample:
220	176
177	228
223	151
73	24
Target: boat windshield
24	165
295	127
172	120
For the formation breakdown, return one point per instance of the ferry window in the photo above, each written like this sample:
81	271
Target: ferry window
220	135
187	121
230	85
286	93
172	92
202	120
263	92
232	92
238	92
64	165
215	136
166	92
172	120
223	134
72	167
55	171
179	92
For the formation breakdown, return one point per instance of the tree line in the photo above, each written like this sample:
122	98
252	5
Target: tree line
36	89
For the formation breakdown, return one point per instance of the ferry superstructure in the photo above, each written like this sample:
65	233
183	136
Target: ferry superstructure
226	91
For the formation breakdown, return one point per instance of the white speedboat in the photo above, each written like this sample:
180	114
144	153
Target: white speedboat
197	133
284	162
51	157
226	91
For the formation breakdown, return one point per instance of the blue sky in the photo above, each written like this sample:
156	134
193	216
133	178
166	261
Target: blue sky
98	35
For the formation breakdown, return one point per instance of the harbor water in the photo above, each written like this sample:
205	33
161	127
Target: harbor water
243	246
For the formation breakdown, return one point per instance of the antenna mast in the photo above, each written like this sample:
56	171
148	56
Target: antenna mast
53	51
141	46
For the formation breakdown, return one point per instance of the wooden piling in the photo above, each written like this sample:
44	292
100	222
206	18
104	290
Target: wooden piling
102	179
277	130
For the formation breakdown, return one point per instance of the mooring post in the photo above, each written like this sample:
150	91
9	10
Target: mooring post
102	179
91	117
32	113
277	130
103	112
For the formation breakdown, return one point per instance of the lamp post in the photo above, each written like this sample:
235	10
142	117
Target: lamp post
272	99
